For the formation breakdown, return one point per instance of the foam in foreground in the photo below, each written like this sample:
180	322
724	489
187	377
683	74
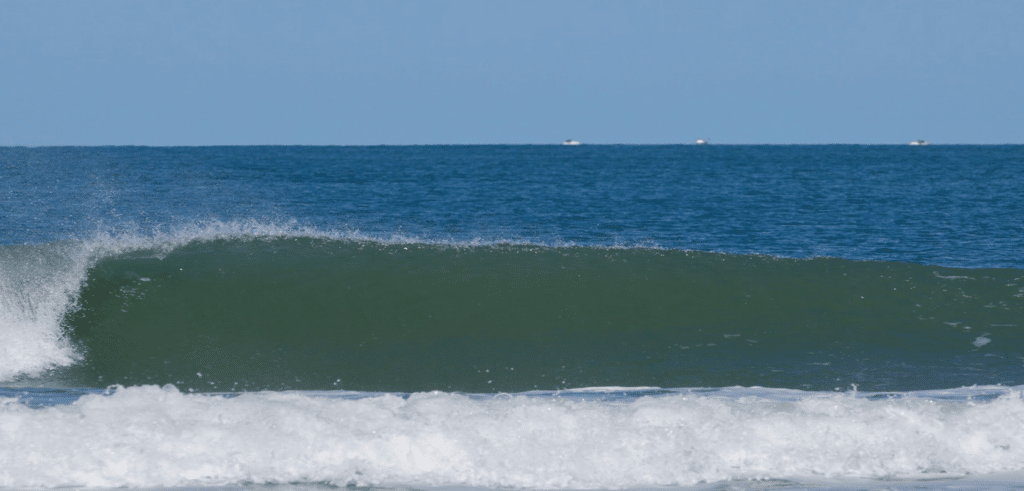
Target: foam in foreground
150	436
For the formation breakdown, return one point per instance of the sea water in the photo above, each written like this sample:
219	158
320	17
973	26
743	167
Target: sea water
534	317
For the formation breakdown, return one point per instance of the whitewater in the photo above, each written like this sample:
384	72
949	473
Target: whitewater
150	436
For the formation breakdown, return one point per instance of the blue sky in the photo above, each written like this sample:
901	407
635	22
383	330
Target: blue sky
451	71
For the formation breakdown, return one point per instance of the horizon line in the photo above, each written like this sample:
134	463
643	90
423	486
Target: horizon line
133	145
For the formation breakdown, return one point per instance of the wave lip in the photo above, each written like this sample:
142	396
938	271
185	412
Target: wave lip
39	285
149	436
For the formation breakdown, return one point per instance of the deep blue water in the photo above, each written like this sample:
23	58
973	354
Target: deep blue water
943	205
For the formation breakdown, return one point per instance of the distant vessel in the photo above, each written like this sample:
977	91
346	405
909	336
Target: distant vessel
701	141
918	142
570	142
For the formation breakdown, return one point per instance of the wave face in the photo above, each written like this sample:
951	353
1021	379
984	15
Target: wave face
237	312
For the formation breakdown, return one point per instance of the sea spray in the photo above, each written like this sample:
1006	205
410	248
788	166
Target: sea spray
39	285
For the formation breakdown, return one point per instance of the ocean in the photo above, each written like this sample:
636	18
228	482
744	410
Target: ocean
537	317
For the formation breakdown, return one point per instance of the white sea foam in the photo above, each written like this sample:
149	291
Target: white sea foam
38	285
150	436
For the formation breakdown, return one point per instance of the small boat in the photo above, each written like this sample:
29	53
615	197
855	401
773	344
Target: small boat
570	142
701	141
918	143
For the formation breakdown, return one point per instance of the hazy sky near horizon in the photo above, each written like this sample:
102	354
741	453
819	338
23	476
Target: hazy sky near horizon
131	72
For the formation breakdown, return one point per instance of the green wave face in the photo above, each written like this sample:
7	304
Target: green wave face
310	314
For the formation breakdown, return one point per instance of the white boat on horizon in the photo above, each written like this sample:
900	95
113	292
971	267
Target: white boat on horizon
701	141
570	142
919	143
